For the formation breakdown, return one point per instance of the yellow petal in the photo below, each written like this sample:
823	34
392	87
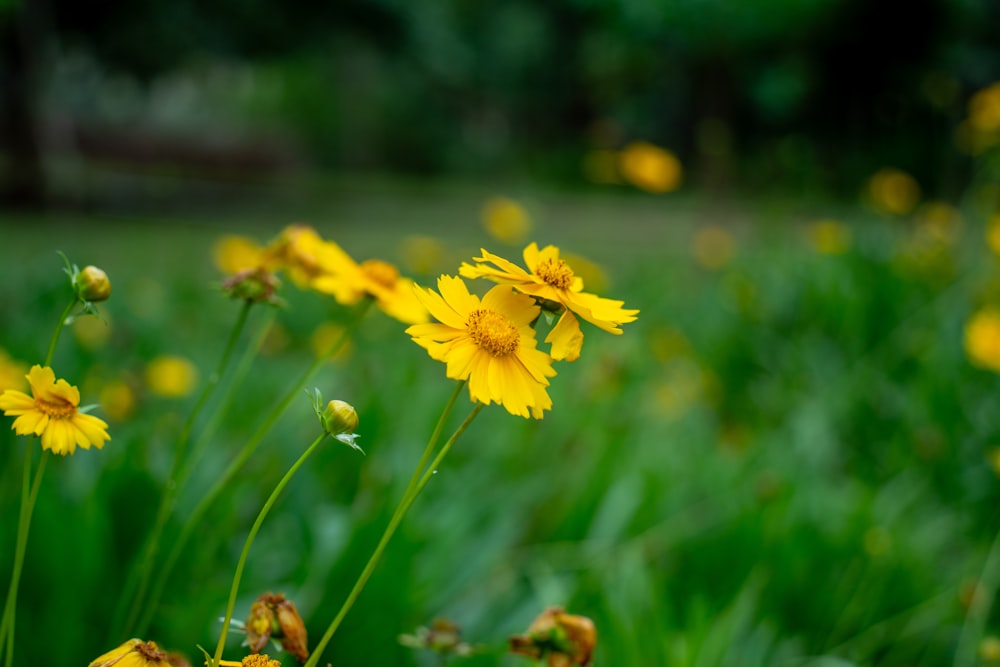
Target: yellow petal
566	338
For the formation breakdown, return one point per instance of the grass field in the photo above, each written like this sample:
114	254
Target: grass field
788	459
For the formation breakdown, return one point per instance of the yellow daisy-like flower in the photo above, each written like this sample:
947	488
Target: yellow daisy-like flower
549	277
51	412
349	282
982	339
11	372
488	342
133	653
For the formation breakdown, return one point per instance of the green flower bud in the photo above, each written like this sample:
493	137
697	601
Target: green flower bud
92	284
339	418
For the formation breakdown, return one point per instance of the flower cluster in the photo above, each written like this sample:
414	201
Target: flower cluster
490	341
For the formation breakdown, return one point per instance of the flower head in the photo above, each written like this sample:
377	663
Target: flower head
488	342
273	616
550	278
52	413
561	639
11	372
349	282
133	653
171	376
252	660
92	284
982	339
650	167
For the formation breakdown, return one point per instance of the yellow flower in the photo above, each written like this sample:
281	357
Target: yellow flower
253	660
488	342
303	253
551	278
133	653
236	254
349	282
829	237
982	339
51	412
11	372
650	167
893	191
171	377
506	220
984	109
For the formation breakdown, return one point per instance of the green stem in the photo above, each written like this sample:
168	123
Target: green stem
397	517
979	607
224	481
28	498
234	589
139	579
58	330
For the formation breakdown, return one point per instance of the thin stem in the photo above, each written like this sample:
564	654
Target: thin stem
171	489
979	606
234	468
397	517
58	330
28	498
234	589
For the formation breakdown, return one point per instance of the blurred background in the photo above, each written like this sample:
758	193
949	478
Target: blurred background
791	458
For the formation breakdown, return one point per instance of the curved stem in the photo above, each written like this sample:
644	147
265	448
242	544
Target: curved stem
234	468
404	505
139	578
234	590
29	493
58	330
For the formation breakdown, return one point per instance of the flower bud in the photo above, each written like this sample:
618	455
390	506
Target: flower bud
339	418
92	284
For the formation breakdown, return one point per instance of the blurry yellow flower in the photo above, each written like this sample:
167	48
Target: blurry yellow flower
323	338
422	255
893	191
829	237
117	400
133	653
561	639
941	221
551	278
989	650
506	220
993	233
51	412
982	339
713	246
171	377
91	332
349	282
12	372
303	254
273	616
984	109
488	342
973	141
650	167
235	254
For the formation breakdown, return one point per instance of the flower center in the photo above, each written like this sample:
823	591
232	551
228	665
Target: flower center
151	652
493	332
383	273
555	272
55	409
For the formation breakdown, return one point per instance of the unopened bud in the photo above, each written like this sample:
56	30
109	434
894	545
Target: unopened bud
93	285
339	418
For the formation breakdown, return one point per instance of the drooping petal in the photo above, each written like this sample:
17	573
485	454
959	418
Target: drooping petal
566	338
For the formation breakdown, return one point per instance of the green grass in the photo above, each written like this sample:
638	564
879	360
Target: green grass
782	462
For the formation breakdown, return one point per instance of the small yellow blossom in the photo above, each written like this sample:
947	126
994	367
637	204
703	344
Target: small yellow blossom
235	254
550	278
893	191
713	246
133	653
561	639
11	373
829	237
984	109
171	376
302	253
982	339
650	167
489	342
52	413
506	220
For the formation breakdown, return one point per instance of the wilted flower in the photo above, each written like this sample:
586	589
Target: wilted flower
561	639
650	167
490	343
259	285
443	637
133	653
272	616
171	376
52	412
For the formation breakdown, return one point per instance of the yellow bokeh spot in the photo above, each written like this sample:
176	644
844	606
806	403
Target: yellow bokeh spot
893	191
506	220
650	167
829	237
325	336
233	254
982	339
941	221
993	233
713	247
989	650
117	400
422	255
92	332
984	109
171	377
12	373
